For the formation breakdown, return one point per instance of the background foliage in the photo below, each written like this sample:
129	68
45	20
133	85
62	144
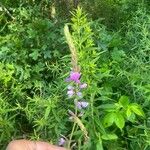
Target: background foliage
113	42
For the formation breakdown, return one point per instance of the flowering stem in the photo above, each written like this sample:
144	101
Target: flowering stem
73	128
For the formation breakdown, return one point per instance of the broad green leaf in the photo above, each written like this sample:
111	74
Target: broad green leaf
109	136
119	120
107	106
109	119
124	101
137	109
132	118
128	112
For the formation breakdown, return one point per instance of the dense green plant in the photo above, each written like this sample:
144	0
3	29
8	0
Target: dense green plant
34	64
112	12
136	69
7	122
93	73
24	46
29	55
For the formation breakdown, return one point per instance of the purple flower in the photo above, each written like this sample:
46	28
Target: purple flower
84	85
74	76
69	87
79	94
70	93
82	104
61	141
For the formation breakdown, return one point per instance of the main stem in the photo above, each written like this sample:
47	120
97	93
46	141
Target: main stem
73	128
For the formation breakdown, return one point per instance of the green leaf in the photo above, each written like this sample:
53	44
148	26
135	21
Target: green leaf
99	144
124	101
107	106
117	55
47	54
109	119
109	137
132	118
137	109
47	112
34	55
128	112
119	120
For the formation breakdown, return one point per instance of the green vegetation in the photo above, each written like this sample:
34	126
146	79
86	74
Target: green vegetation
109	44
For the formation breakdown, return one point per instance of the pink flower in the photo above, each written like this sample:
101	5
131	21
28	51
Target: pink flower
74	76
